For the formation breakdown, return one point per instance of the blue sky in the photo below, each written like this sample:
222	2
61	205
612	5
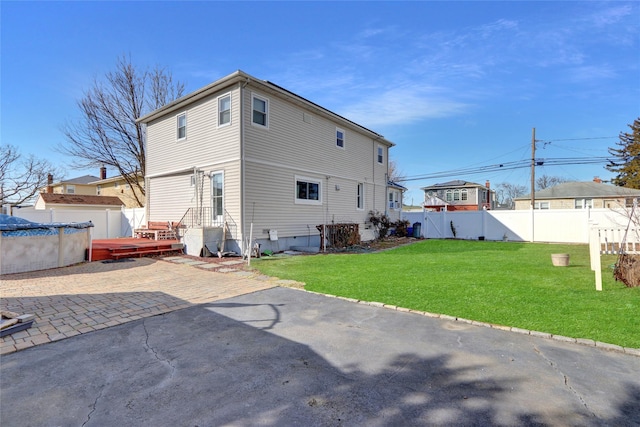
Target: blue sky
454	84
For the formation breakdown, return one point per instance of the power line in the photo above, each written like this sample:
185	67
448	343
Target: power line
519	164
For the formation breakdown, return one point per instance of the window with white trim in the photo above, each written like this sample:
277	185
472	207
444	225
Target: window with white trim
448	196
260	107
339	138
464	194
394	199
181	126
380	154
71	189
98	189
224	110
541	205
583	203
308	191
360	196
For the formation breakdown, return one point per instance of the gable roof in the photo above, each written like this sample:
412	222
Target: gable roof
244	78
117	178
79	199
583	189
82	180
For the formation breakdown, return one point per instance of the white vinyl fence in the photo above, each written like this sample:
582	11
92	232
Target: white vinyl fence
108	223
554	225
611	240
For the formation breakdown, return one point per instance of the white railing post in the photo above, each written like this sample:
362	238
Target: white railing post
594	253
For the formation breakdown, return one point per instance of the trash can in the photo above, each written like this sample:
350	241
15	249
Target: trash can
417	229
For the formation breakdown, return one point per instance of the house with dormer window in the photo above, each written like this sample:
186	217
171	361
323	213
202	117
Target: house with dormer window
244	160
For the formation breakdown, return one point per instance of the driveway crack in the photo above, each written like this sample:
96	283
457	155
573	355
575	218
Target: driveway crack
149	348
566	380
93	408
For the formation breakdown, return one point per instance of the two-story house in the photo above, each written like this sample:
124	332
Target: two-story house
458	195
81	185
244	160
117	186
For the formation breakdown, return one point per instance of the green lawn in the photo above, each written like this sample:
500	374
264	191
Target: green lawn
511	284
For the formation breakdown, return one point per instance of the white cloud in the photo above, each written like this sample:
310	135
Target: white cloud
402	106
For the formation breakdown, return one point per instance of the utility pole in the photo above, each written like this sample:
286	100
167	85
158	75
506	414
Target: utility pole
533	184
533	168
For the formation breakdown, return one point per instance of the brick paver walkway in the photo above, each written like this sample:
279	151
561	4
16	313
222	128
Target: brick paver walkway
87	297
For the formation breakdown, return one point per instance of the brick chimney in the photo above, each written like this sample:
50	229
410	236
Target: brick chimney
103	172
49	183
597	179
487	184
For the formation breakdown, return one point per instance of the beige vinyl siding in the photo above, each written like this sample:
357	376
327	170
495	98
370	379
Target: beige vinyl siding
173	195
170	197
301	143
290	140
270	195
205	142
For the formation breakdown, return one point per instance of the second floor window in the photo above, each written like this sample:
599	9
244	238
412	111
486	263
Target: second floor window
182	126
224	110
340	138
260	111
380	154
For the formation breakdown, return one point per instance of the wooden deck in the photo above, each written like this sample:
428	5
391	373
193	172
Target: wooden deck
105	249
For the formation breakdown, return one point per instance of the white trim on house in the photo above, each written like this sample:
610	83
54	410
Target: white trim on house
229	110
340	138
265	113
303	170
202	167
360	196
178	126
307	180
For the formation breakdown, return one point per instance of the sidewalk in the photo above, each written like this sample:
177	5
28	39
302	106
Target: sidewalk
78	299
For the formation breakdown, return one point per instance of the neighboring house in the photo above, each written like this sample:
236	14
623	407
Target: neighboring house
263	164
580	195
76	201
79	185
117	186
459	195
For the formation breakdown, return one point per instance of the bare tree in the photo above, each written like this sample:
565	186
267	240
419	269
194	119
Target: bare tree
546	181
507	192
107	133
395	174
20	178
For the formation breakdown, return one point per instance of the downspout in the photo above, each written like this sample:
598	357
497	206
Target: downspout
243	224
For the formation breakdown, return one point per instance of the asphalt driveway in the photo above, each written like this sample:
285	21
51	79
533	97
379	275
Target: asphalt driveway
281	357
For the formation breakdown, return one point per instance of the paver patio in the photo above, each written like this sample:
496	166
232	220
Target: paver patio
87	297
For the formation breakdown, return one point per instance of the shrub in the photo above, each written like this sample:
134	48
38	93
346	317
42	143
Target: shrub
381	223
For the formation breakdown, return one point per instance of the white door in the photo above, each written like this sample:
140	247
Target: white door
217	198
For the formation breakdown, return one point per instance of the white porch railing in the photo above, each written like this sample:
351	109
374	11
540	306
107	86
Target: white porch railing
611	241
